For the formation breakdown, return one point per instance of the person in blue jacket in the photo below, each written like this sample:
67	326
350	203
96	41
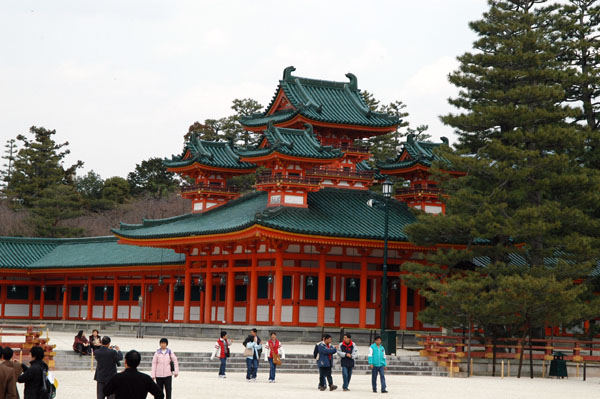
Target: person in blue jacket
378	364
325	361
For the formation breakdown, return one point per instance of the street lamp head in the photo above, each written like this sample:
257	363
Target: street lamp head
387	188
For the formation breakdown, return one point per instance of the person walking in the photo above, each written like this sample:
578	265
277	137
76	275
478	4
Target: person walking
34	375
273	353
81	344
130	383
325	362
347	351
7	354
222	352
252	352
164	366
106	365
378	364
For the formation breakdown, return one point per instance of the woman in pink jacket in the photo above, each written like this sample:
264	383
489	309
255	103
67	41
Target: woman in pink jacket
164	364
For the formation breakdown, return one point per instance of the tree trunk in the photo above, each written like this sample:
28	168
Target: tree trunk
521	354
530	355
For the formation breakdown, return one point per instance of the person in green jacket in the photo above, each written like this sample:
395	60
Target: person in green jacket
378	364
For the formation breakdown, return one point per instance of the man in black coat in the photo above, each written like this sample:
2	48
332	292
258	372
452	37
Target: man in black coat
106	365
33	376
131	384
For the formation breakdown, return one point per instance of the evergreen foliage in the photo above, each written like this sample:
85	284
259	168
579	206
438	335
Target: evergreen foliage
151	177
524	208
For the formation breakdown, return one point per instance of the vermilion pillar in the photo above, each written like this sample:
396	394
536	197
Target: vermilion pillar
172	300
296	299
230	294
403	304
278	285
253	287
115	303
364	281
208	296
90	293
187	292
64	304
42	295
321	299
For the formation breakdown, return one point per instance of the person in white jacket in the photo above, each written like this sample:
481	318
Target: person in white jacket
273	352
221	352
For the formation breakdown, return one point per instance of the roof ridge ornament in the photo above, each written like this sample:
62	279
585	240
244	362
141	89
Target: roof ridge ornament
410	138
287	72
353	81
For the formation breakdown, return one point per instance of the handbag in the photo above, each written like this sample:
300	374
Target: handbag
248	352
171	363
277	359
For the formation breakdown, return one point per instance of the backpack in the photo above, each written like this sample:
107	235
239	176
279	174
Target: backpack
316	351
48	391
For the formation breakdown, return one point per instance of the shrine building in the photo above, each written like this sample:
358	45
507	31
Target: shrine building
302	249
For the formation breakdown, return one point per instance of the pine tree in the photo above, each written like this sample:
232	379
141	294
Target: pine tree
152	178
10	153
523	207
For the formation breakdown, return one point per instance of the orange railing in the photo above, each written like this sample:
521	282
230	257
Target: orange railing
32	337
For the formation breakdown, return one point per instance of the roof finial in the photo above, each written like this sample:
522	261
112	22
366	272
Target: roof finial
353	81
410	138
445	140
287	72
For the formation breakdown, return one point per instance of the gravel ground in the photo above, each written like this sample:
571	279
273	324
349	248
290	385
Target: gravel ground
80	384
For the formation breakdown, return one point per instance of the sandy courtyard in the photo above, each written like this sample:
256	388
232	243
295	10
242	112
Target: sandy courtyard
80	384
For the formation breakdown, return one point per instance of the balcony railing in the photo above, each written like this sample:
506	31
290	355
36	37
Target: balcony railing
274	179
340	172
352	148
193	188
417	191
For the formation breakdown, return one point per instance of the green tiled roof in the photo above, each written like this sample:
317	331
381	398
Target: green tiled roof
293	142
323	101
41	253
419	152
363	166
331	212
209	153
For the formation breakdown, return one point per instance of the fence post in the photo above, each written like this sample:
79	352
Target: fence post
502	372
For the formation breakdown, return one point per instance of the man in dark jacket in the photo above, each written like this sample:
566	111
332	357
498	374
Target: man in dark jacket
33	376
131	384
7	354
106	365
325	362
347	351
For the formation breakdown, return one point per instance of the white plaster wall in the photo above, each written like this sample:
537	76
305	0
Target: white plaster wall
409	319
396	319
286	314
123	312
308	314
19	309
178	313
35	310
262	313
83	311
74	311
195	313
97	311
239	314
50	310
349	315
221	313
329	315
370	316
135	312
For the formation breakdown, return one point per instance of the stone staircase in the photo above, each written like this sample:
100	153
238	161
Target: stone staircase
200	361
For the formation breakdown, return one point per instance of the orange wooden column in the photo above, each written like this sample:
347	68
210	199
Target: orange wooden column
296	299
65	302
187	292
230	293
115	303
208	294
364	281
278	294
322	281
42	299
171	299
253	286
403	304
90	292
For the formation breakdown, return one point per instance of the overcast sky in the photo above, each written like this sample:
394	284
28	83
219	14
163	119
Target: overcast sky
123	80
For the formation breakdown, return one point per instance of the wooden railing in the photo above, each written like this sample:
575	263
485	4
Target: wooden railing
32	336
274	179
192	188
416	191
450	349
340	172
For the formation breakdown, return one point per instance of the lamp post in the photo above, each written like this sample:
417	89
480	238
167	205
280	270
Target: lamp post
387	193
